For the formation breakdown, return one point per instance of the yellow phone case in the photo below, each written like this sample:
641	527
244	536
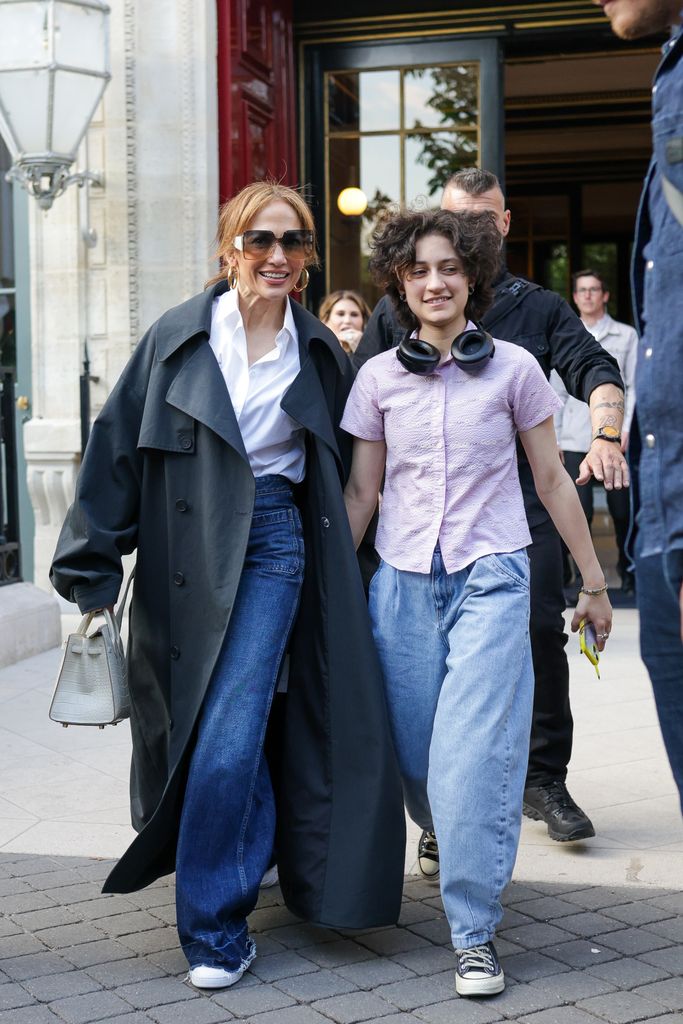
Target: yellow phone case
588	647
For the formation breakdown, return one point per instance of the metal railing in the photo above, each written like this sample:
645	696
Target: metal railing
10	552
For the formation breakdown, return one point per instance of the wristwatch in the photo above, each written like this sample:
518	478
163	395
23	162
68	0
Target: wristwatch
607	434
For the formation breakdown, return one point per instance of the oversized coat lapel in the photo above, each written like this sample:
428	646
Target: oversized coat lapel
199	390
305	400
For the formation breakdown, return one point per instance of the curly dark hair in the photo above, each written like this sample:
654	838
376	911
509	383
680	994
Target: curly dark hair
474	236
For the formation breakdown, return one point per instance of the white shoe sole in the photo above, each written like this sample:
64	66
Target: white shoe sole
479	986
221	979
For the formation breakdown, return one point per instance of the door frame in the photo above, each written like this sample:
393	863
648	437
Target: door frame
318	59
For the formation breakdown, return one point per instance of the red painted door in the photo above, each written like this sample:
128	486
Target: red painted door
256	90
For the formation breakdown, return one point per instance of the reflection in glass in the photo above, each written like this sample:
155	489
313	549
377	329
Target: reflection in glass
380	107
342	96
441	97
373	162
431	158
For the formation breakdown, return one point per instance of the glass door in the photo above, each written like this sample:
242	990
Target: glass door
398	122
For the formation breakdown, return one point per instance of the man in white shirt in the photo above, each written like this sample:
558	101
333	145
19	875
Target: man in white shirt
573	423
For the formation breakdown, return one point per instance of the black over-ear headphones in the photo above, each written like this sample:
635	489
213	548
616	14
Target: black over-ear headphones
470	350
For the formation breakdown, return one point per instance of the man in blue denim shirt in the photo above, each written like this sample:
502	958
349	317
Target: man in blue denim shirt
656	446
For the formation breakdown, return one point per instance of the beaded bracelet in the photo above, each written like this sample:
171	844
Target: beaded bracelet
593	593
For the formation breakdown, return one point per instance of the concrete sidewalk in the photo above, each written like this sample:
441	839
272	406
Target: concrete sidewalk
592	931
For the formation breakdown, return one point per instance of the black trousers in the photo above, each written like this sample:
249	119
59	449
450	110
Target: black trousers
552	725
617	503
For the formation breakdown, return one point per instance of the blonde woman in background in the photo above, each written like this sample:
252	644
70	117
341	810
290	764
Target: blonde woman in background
346	314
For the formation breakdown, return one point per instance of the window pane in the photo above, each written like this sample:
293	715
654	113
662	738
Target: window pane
445	97
372	163
431	158
343	102
380	101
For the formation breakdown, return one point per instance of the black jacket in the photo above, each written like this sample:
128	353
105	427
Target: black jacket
165	474
542	323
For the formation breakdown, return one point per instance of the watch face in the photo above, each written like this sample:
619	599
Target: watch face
608	432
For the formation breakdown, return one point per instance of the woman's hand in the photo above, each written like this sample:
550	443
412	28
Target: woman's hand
596	610
349	339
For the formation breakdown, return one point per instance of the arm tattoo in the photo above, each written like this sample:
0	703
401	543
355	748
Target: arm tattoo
610	405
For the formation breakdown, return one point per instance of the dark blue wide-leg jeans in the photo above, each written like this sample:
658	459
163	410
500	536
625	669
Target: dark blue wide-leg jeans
227	825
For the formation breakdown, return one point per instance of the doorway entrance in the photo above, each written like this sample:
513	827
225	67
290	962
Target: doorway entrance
398	120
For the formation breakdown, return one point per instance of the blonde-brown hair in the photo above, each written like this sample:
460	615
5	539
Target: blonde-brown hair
238	212
331	300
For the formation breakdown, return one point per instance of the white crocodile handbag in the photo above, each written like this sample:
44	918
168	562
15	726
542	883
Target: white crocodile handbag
92	683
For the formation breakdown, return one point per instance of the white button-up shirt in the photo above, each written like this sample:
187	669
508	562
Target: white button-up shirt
273	441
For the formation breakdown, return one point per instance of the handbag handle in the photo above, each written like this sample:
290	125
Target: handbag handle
122	604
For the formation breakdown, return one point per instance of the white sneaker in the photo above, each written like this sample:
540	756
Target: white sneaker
270	878
214	977
218	977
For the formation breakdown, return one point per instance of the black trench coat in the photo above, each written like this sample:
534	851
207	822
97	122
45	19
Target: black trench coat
165	473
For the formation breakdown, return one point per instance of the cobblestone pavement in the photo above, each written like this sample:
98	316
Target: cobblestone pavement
572	954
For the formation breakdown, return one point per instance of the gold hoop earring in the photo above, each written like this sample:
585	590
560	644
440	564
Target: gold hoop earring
302	283
232	278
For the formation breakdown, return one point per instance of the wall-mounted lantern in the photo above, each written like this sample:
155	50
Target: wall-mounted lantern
54	67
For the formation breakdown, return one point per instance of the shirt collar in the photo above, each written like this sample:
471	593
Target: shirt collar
227	311
601	327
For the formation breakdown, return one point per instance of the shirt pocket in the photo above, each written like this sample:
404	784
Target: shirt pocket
667	136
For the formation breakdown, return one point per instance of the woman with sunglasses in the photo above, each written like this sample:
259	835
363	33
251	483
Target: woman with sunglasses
450	600
219	458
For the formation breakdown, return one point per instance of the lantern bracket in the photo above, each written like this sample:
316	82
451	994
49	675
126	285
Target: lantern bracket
47	176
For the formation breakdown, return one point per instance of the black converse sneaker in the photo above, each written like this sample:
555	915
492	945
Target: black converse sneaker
428	856
478	972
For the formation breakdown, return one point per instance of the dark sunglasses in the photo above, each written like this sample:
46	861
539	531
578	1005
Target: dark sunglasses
259	245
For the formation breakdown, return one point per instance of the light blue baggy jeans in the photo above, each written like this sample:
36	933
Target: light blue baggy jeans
456	661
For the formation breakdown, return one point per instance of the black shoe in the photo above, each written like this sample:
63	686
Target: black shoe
552	804
478	972
428	856
628	584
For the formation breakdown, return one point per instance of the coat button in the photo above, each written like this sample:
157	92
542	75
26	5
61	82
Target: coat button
648	353
325	522
185	442
178	579
649	265
170	723
175	652
181	505
650	440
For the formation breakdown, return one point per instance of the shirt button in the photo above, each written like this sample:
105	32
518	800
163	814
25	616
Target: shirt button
324	522
648	353
650	440
181	505
175	652
649	265
178	579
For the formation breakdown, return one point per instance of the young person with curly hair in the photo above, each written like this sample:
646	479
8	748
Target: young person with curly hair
450	601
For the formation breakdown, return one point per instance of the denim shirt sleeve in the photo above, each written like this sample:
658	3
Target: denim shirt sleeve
658	297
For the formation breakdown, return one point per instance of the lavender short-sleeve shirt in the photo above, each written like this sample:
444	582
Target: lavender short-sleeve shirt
451	472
